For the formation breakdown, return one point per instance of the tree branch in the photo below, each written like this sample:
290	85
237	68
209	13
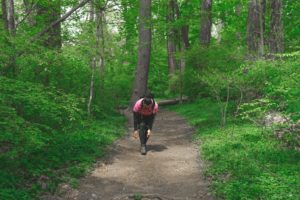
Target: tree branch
63	18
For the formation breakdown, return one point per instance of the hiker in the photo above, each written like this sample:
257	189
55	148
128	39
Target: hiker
144	112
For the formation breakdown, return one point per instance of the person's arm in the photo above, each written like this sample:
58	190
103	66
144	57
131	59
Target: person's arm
136	120
152	117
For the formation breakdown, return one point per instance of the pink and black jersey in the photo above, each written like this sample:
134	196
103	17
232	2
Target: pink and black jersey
145	110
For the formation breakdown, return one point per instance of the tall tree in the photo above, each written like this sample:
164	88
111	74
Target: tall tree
48	12
100	42
141	77
171	37
183	38
255	27
8	15
4	14
184	26
206	22
276	27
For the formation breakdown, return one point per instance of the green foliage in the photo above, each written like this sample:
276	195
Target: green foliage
277	81
245	162
44	139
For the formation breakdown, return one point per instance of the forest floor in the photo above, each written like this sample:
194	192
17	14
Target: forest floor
171	170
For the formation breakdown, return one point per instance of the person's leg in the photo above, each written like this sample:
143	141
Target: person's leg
143	137
148	124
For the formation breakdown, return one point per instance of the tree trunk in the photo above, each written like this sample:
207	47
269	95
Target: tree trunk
184	27
92	90
4	14
141	77
255	27
58	21
183	40
91	15
8	15
171	46
100	39
276	27
49	12
206	22
185	36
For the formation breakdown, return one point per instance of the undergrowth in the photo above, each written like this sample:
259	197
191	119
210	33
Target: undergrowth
46	139
244	161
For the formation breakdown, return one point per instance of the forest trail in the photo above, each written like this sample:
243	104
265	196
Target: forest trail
171	170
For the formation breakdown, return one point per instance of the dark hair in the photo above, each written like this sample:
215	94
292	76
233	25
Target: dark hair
147	101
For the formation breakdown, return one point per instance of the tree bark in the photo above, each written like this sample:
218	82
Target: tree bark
58	21
91	11
171	46
206	22
48	13
276	27
100	39
92	90
184	27
255	27
4	14
8	15
141	77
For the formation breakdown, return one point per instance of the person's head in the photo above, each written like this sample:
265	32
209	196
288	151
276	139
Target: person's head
147	101
148	98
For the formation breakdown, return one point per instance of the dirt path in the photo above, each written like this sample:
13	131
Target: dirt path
170	170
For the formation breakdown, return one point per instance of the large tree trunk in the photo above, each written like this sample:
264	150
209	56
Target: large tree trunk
276	27
141	77
255	27
49	12
171	37
206	22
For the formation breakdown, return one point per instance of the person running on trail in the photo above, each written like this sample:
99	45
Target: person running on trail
144	112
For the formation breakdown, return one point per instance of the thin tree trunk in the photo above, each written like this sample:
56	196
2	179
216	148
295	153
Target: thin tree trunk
255	27
8	15
262	7
206	22
171	46
141	78
100	38
4	14
183	38
184	27
92	91
92	11
276	27
11	17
